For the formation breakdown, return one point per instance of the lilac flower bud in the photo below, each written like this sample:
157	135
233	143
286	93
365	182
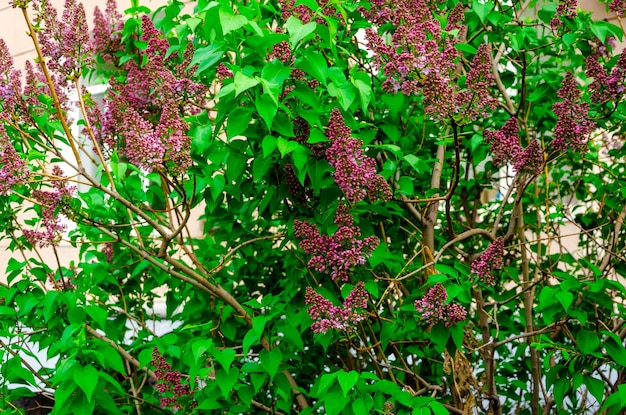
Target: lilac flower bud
490	259
327	316
573	125
355	173
338	254
434	309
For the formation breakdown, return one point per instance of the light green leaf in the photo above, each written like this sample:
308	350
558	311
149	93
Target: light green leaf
482	8
286	146
112	359
231	21
206	57
243	82
565	298
298	31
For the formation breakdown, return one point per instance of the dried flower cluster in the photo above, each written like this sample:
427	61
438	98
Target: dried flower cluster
169	381
327	316
573	125
335	255
434	309
506	148
355	173
489	260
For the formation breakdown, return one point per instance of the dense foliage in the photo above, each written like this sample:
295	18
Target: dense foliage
389	192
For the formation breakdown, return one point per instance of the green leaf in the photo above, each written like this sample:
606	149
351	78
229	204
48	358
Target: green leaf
298	31
226	380
482	8
219	182
112	359
269	144
347	380
231	21
595	387
243	82
238	121
565	298
98	314
616	351
225	357
286	146
588	341
464	47
267	108
260	166
345	94
86	377
206	57
273	77
270	360
314	64
561	387
13	371
300	157
325	382
363	84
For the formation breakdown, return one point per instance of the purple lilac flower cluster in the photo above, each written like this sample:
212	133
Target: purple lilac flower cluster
282	52
143	115
304	13
107	37
476	99
65	41
355	173
565	8
420	59
222	72
335	255
169	382
51	202
434	309
605	86
13	170
573	125
327	316
10	83
506	148
489	260
618	7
